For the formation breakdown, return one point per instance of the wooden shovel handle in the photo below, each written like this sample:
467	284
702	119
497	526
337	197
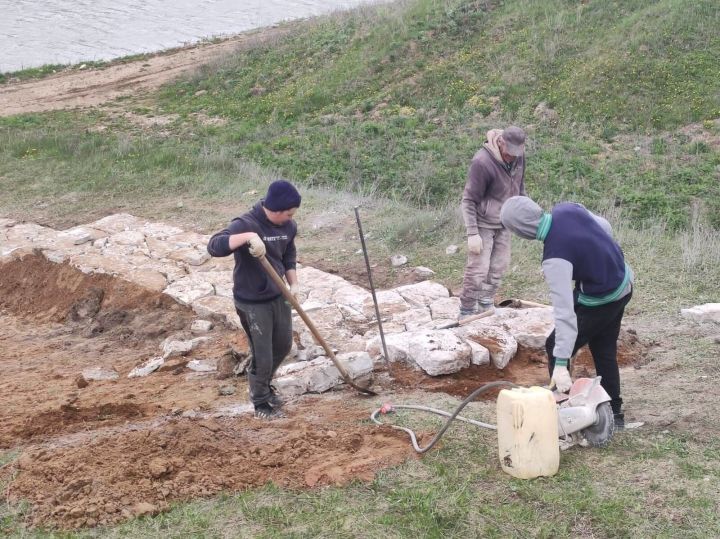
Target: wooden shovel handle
309	323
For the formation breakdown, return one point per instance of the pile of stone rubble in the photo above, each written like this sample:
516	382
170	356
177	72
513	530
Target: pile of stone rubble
167	259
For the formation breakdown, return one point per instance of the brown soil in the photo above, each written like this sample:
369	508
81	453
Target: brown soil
99	452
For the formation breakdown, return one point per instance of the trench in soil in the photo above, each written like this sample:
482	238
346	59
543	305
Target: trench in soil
104	451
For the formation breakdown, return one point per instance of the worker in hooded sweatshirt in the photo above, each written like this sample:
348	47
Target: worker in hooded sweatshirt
497	172
579	248
267	230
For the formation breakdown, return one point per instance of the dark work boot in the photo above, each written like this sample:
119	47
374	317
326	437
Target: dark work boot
275	400
265	411
619	421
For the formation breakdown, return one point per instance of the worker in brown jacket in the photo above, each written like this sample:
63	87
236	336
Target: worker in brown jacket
497	172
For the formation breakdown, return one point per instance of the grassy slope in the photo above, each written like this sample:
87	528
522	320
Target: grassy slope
392	102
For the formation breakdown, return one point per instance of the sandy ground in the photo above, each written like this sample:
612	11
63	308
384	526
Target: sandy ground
81	88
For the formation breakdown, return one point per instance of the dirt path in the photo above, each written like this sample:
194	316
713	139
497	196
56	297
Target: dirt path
89	87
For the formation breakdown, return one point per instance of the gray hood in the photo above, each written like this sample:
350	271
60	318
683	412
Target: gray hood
521	215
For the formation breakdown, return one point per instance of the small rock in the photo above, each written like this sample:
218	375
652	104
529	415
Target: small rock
226	390
422	272
201	326
202	365
451	249
80	381
144	508
146	368
99	373
398	260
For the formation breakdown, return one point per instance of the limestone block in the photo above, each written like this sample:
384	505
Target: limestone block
201	326
314	278
445	309
502	345
217	308
353	296
99	373
56	257
351	315
128	237
159	231
438	351
173	347
30	234
189	289
423	293
188	239
147	278
217	278
190	256
389	303
79	235
320	375
421	272
397	347
202	365
413	318
531	327
118	222
159	248
147	367
480	354
708	312
97	263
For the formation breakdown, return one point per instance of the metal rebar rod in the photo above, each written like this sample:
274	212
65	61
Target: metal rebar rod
372	287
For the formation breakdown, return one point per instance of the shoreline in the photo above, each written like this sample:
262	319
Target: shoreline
75	86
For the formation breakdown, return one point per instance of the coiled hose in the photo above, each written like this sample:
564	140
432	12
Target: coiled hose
451	417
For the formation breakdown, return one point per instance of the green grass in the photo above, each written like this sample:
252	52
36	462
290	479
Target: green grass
640	486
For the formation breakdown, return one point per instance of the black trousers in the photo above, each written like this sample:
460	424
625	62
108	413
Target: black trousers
599	328
268	327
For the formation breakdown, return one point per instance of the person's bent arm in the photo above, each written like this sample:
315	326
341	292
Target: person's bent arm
558	275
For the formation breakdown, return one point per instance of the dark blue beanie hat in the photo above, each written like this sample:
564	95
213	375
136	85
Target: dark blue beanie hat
281	196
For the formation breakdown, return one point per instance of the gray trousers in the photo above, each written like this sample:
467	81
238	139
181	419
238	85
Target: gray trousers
484	272
268	327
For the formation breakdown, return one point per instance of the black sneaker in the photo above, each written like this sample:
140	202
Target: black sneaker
619	421
265	411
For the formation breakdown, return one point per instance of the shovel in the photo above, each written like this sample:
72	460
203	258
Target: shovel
294	302
467	320
519	303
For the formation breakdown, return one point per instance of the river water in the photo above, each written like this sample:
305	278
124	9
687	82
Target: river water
39	32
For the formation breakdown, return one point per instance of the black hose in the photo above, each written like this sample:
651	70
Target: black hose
452	417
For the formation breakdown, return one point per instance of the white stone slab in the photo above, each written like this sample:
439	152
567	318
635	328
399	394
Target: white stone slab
708	312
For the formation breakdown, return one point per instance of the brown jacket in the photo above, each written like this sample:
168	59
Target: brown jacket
489	185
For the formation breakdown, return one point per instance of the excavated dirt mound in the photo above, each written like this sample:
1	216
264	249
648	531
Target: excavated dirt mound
96	452
141	471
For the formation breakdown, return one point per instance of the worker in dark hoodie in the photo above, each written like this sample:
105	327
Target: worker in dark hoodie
497	172
267	230
579	248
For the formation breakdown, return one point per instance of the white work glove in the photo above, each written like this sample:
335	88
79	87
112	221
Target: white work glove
561	376
475	244
298	292
256	246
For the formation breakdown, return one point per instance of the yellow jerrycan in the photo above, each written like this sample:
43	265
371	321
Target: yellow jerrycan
527	427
